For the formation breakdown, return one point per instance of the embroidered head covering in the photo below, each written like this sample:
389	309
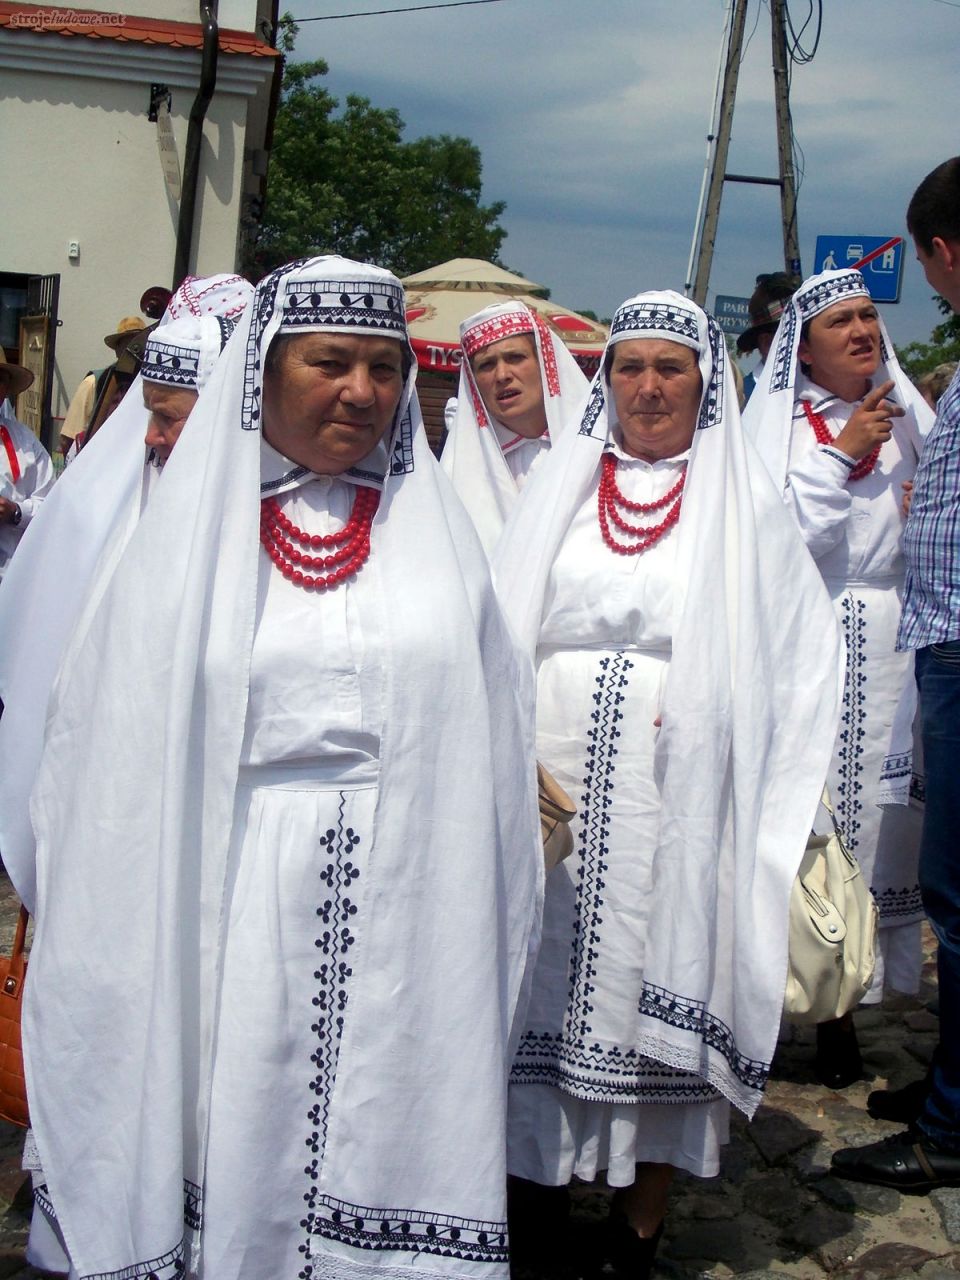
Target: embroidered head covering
457	787
671	317
184	352
219	295
333	295
473	456
768	415
736	799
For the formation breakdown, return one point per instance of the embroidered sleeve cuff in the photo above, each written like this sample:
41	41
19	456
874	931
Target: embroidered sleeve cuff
838	456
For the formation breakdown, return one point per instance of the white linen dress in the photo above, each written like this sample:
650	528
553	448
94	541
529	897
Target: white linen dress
305	804
582	1099
854	531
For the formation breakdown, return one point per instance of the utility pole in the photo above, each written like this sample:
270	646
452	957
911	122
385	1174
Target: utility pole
720	141
788	186
708	215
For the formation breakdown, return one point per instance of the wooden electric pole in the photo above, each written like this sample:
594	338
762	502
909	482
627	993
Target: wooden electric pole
788	186
708	217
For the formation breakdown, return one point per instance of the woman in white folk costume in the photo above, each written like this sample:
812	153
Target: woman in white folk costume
840	428
519	385
305	876
688	685
85	526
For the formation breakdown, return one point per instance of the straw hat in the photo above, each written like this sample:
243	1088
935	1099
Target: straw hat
126	329
18	377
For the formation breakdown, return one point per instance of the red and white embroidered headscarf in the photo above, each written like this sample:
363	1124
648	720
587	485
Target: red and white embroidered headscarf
473	456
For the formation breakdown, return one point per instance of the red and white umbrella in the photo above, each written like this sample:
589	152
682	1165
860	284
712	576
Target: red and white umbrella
441	297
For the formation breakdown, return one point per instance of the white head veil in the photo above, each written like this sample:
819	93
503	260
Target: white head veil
749	713
472	456
90	513
134	844
768	415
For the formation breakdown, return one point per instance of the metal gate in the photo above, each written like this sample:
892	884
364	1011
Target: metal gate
38	338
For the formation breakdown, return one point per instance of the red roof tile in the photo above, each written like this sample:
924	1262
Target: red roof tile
100	25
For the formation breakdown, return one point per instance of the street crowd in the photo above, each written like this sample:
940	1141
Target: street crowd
281	747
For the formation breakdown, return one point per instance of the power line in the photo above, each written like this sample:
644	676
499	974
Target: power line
376	13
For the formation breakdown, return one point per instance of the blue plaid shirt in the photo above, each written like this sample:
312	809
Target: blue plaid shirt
931	539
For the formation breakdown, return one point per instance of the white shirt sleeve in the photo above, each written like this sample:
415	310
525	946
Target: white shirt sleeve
817	494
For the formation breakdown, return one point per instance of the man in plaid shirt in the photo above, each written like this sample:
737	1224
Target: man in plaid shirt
927	1155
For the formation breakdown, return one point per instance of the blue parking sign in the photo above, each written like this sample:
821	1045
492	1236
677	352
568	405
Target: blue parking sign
880	258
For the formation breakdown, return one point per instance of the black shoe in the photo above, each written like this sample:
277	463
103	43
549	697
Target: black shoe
902	1106
838	1062
909	1162
627	1256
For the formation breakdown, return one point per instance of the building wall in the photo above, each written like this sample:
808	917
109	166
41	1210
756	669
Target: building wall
83	165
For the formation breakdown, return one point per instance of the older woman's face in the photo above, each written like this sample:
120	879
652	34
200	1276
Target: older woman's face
656	388
331	398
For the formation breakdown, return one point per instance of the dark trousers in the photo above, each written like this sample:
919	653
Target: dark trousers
938	680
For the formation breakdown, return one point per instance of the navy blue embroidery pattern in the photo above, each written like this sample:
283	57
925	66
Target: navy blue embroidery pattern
270	486
602	1073
170	364
902	904
594	406
692	1015
338	874
574	1059
663	317
401	461
192	1205
366	304
811	302
263	304
711	406
169	1266
847	801
897	769
782	375
410	1231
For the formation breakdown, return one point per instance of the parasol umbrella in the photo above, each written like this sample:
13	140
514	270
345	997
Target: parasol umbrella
441	297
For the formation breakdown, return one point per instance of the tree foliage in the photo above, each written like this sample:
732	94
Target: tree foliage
918	358
344	180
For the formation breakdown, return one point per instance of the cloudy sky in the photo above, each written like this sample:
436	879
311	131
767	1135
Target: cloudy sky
592	121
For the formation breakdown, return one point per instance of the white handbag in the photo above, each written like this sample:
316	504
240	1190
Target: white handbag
833	931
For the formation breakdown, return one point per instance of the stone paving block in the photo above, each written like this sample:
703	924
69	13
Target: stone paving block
887	1262
829	1235
946	1200
777	1134
709	1242
943	1268
857	1196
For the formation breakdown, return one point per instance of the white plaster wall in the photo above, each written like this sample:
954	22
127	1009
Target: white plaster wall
236	15
83	164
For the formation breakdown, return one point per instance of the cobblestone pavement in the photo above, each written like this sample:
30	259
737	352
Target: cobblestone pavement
775	1213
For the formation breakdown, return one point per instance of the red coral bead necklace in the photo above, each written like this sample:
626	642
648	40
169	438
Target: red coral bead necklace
609	497
822	432
347	549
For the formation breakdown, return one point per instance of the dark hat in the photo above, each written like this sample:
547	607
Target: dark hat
17	376
766	305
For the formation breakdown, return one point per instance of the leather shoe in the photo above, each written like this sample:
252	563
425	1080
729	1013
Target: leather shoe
902	1106
910	1162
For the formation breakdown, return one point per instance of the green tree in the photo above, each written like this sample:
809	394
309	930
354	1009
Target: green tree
345	181
918	358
